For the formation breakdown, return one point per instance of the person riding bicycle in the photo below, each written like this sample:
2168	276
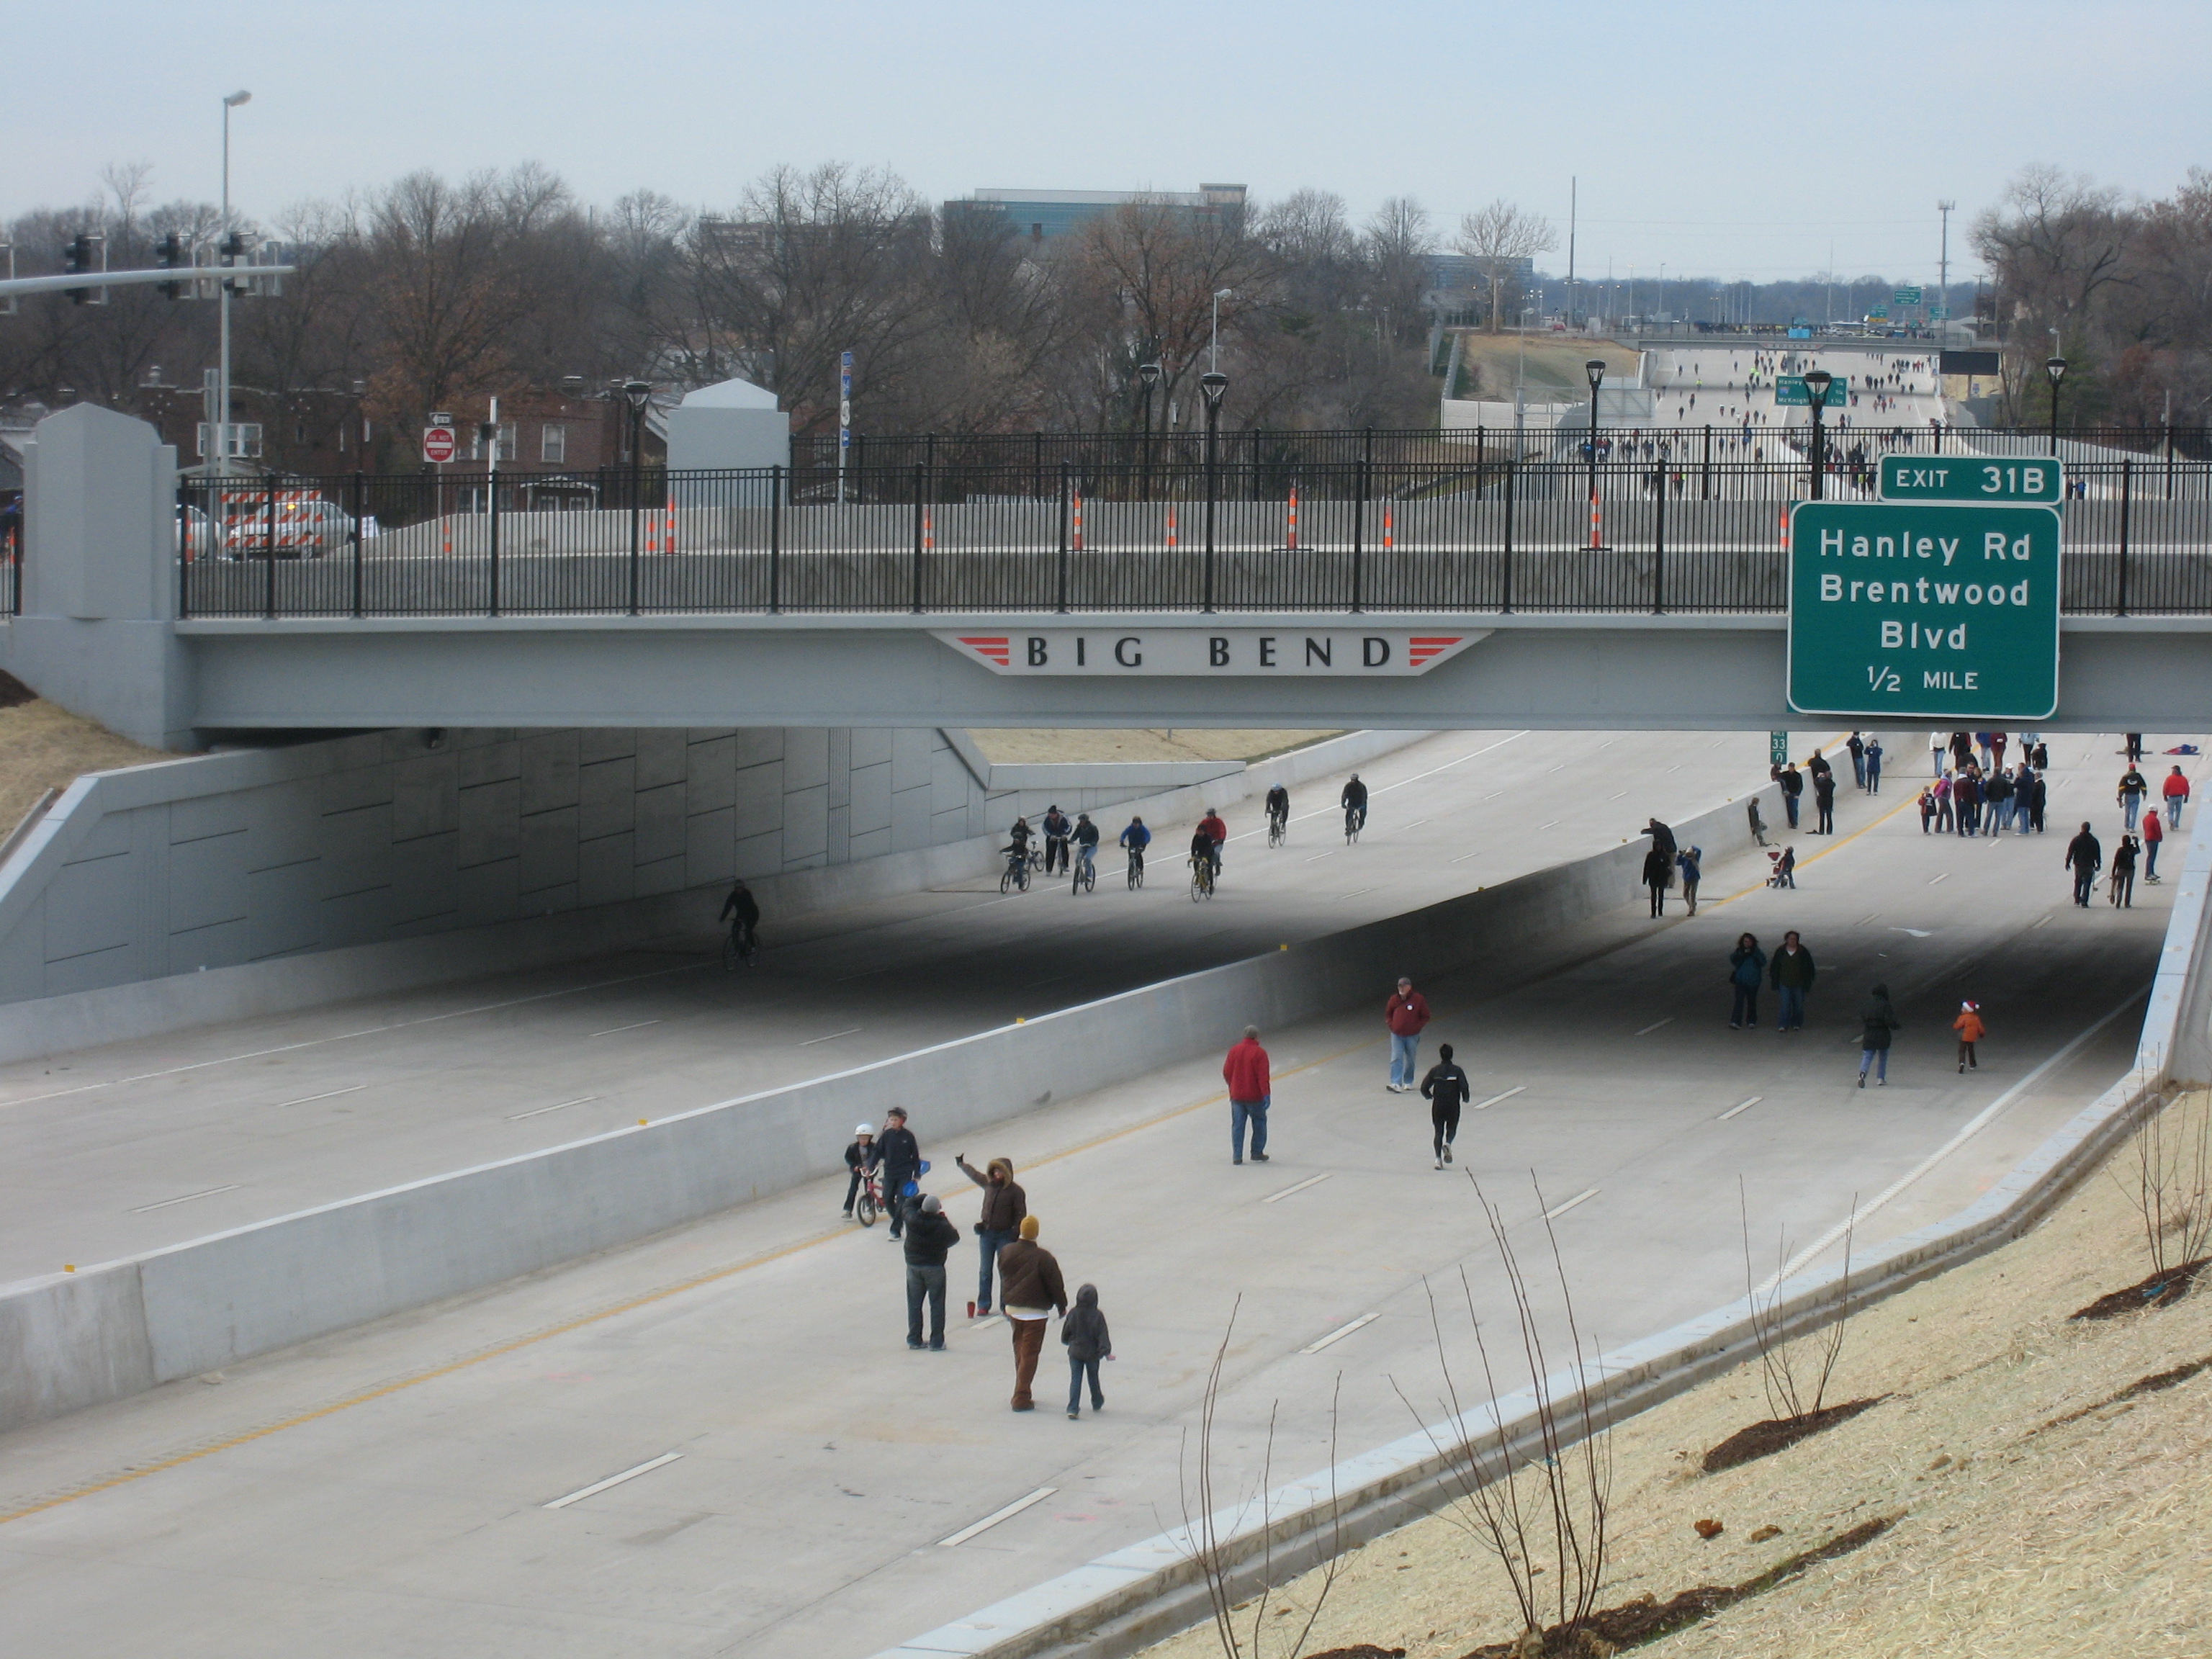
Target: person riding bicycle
1215	832
1086	839
1134	840
1017	849
745	908
1279	808
1203	851
1056	831
1353	800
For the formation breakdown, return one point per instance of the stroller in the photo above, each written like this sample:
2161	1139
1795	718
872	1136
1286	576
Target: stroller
1784	871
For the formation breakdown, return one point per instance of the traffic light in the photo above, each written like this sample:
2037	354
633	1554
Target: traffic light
172	255
232	251
82	256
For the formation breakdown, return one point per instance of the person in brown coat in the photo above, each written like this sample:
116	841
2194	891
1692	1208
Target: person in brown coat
1004	1204
1030	1291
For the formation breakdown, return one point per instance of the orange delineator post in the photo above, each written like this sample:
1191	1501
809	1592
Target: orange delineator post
928	531
1078	520
1293	542
1171	528
1389	538
671	546
1598	527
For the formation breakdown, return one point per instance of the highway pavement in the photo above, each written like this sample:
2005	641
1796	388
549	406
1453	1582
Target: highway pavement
115	1151
717	1442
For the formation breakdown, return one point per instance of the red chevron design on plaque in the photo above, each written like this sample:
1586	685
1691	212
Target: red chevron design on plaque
991	648
1419	648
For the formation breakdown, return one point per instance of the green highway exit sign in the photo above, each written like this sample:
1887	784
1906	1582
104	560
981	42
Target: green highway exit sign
1791	391
1923	612
1964	479
1905	296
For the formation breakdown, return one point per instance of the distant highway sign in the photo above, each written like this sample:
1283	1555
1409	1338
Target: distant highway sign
1905	296
1789	392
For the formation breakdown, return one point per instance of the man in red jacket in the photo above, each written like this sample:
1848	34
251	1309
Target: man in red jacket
1250	1094
1407	1013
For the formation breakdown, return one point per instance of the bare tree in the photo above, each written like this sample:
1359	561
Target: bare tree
2171	1185
1795	1374
1499	238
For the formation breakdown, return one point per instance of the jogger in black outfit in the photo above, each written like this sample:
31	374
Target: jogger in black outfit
1447	1089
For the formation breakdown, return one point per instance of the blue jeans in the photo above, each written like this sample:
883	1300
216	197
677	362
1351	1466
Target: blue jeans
2173	805
1401	1058
1790	802
1866	1057
1746	1011
1873	774
1790	1016
2131	803
1076	1371
1253	1112
989	1243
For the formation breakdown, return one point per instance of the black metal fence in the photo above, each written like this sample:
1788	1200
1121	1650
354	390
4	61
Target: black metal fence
1666	522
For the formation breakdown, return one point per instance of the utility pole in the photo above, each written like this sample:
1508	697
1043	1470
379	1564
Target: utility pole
1573	202
221	432
1943	267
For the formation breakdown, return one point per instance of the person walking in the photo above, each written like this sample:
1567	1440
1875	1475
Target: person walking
929	1235
1407	1014
1747	968
2134	749
2042	794
1057	830
2154	837
1856	744
2173	790
861	1159
1030	1291
2084	857
1966	800
1791	973
1251	1092
1969	1028
1946	811
1691	862
2133	787
1999	790
997	1225
1447	1089
1824	803
1879	1019
1873	765
1938	742
901	1157
1658	877
1087	1342
1962	750
2123	872
1793	788
1927	806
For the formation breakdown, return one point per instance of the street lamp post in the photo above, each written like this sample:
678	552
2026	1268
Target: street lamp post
1211	384
1148	376
2056	368
1817	381
1594	370
1213	346
637	394
220	432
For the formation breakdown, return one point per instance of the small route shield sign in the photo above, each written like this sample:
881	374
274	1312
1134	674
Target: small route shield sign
1923	612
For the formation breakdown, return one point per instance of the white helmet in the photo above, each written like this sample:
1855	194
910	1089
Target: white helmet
864	1129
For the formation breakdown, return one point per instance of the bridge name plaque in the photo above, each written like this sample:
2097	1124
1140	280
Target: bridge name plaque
1205	652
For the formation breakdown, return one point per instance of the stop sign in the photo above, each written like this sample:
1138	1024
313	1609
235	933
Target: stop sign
437	443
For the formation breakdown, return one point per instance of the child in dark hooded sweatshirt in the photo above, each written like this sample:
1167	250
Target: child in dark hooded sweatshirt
1084	1333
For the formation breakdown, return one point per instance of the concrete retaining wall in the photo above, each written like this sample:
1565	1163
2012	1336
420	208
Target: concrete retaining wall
1135	1596
228	886
201	1305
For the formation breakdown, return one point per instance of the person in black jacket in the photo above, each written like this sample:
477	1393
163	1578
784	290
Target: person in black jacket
2085	856
1824	802
861	1157
901	1157
1088	1342
929	1235
1793	788
741	911
1447	1089
1879	1019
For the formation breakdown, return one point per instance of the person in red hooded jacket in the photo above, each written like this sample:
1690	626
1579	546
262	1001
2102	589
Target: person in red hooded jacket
1406	1013
1250	1094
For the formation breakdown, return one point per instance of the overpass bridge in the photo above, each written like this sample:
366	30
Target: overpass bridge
1477	596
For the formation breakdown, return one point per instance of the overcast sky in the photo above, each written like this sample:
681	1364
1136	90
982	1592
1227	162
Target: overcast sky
1724	138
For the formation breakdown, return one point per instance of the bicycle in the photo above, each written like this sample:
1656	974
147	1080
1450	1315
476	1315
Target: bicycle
1016	876
1202	878
1136	868
1355	820
1086	879
740	944
1278	830
870	1202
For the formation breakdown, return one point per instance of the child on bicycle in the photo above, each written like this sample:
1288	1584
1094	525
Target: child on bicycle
861	1158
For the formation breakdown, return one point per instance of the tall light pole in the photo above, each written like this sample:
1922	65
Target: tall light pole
1214	349
221	426
1148	376
1943	263
1817	381
1594	370
1211	384
637	394
2056	368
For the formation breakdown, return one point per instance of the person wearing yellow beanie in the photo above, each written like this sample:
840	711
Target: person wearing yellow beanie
1030	1291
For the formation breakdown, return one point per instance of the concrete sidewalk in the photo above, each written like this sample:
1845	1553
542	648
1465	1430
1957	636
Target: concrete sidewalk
387	1489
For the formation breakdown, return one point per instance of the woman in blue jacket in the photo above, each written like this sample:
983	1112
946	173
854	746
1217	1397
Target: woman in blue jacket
1747	967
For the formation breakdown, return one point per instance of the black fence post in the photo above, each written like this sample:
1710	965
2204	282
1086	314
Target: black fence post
1036	462
269	603
776	483
360	510
491	490
2127	494
1061	604
1705	481
1360	516
1512	476
921	485
1481	460
1659	539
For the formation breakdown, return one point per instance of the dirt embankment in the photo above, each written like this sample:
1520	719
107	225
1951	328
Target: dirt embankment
2046	1482
43	747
